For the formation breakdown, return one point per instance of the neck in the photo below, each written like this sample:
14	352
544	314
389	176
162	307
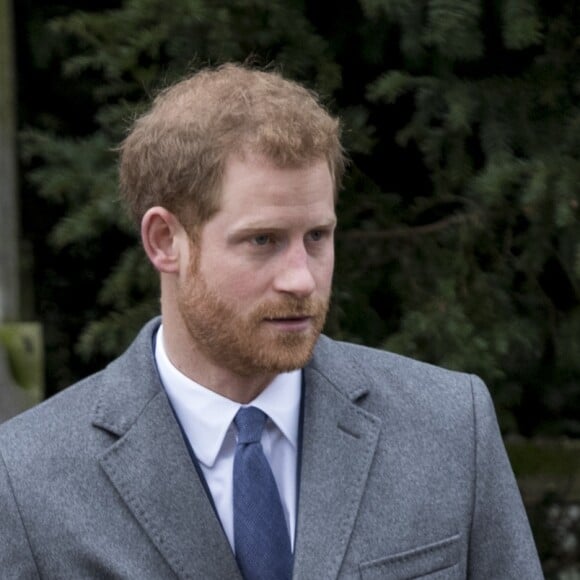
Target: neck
189	360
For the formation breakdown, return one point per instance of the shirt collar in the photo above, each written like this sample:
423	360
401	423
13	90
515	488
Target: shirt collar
206	416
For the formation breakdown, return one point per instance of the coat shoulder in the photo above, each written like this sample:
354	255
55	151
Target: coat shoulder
61	422
115	395
339	358
390	380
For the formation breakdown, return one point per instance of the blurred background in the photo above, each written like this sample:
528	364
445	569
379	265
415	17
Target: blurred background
459	221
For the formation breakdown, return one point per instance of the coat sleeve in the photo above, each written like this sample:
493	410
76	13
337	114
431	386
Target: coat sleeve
16	559
501	542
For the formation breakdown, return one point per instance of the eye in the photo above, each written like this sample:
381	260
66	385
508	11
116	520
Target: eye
318	235
262	240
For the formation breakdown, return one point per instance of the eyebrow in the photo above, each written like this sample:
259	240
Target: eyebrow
258	227
266	226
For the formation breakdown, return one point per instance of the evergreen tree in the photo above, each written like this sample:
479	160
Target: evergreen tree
459	241
487	276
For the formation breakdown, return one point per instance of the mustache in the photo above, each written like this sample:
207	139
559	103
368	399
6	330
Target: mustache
292	307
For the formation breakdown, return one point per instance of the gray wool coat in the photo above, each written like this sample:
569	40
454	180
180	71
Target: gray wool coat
404	475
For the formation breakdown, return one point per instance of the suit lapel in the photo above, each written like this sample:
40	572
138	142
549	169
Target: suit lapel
150	467
339	441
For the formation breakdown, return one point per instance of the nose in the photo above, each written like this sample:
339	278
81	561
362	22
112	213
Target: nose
295	274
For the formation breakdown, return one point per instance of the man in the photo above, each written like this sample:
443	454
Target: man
233	440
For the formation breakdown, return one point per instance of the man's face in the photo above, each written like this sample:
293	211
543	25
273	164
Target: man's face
257	289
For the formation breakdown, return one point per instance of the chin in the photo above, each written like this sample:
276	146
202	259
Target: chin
286	358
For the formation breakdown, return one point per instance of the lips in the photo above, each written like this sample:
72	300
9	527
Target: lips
291	323
289	318
292	314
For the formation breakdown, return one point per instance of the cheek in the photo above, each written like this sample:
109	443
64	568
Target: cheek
235	285
324	272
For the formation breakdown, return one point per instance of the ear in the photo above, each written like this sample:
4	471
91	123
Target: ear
163	236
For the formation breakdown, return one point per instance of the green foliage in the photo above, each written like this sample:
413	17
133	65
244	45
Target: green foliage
459	241
499	295
522	26
453	29
392	85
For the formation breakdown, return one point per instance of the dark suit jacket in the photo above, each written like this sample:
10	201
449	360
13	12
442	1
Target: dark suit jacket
404	475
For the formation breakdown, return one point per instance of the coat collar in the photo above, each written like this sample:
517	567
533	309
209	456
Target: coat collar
339	442
150	467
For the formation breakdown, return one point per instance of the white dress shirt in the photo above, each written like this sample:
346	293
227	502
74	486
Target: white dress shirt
207	420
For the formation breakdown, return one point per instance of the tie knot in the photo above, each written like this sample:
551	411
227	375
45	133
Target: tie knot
250	422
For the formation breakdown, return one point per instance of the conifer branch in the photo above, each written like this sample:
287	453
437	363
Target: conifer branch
409	231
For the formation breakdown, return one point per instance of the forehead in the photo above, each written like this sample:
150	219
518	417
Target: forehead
257	195
256	181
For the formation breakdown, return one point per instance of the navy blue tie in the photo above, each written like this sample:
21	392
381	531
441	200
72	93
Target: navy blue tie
261	538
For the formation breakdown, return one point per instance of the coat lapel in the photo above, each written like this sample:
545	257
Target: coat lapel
339	441
150	467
